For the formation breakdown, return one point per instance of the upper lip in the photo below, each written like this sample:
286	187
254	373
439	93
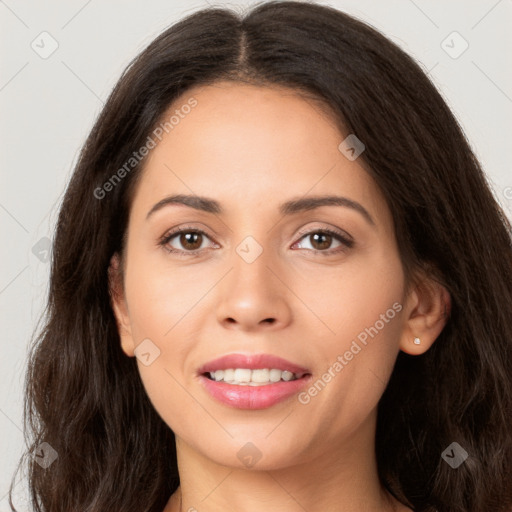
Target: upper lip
252	362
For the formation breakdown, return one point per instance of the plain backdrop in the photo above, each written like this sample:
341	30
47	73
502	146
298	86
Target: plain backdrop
60	60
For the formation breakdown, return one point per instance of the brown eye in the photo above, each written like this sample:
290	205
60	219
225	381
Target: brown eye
184	241
190	240
321	241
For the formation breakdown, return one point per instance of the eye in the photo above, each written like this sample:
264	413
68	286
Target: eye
190	239
322	239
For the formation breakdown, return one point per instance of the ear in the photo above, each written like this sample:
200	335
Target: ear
426	312
119	306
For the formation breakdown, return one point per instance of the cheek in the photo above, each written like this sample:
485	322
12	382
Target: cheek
160	296
348	298
357	364
355	357
161	309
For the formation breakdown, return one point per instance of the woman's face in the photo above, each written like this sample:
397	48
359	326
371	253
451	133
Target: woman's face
264	281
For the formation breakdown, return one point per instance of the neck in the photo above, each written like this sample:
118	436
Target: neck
339	478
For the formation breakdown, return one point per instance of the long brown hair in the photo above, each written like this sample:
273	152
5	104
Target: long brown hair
84	397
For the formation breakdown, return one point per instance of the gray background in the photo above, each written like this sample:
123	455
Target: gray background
48	105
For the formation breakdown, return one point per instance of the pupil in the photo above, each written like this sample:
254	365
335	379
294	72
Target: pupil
188	243
323	245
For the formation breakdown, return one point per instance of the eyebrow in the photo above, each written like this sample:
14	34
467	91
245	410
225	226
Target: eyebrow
291	207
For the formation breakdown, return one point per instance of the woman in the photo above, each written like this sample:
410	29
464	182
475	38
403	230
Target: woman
279	281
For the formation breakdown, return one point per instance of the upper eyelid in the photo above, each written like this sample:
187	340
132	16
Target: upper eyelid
337	231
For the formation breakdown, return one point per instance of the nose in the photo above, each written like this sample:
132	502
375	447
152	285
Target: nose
254	296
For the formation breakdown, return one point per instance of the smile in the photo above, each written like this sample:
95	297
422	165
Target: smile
248	377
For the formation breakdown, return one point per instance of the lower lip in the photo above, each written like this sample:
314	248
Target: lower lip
253	397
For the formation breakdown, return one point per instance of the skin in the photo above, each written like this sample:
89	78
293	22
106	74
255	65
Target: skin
252	148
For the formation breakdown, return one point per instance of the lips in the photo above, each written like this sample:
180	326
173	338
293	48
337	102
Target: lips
244	395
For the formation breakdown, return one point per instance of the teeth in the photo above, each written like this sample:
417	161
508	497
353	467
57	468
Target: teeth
260	375
242	375
275	375
287	375
247	377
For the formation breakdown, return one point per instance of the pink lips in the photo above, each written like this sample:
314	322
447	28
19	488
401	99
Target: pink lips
253	362
252	397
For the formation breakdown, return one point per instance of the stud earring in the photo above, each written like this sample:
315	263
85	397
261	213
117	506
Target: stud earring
417	341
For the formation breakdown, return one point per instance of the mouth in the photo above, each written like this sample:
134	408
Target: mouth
253	377
256	381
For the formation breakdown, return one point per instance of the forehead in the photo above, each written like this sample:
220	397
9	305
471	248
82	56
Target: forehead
252	145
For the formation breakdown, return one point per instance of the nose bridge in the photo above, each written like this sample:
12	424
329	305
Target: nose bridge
251	260
251	294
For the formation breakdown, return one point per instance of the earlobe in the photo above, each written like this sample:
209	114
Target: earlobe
427	311
118	302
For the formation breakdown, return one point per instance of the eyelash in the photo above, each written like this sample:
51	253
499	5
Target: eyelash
164	241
